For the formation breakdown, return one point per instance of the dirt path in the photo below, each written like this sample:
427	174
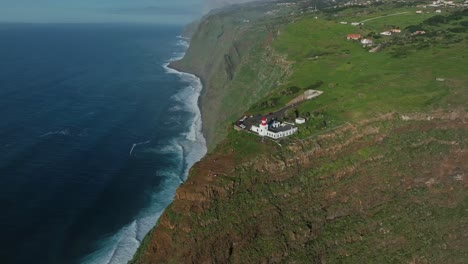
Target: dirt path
396	14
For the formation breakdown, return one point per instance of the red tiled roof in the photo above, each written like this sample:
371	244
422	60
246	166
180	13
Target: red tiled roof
354	36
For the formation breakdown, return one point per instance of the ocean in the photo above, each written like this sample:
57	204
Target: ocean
96	134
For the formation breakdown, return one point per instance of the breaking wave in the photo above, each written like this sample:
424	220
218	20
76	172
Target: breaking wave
187	148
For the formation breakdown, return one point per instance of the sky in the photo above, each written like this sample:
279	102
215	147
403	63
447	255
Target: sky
102	11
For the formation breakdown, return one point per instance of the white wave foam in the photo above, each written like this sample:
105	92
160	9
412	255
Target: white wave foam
119	248
194	144
183	43
172	148
176	108
137	144
64	132
116	248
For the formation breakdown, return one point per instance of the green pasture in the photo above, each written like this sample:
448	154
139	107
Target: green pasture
358	84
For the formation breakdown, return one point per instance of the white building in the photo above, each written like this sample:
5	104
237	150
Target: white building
300	120
276	130
367	42
386	33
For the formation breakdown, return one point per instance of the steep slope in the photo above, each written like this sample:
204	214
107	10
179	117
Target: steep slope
379	172
230	53
387	190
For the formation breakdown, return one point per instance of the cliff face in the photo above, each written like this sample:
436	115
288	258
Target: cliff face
391	189
230	52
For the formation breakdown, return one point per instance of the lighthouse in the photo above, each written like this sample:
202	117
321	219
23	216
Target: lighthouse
274	129
262	130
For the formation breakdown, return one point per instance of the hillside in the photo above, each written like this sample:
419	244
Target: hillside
231	53
378	173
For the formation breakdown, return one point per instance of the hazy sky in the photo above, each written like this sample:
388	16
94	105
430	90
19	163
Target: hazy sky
153	11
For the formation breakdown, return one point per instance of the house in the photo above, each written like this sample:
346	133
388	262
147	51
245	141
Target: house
395	30
419	32
353	36
438	11
367	42
419	12
343	22
356	24
274	129
386	33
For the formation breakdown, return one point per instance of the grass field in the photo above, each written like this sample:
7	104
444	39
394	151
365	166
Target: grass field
359	84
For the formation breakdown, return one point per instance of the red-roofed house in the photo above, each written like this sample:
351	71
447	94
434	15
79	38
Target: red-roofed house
353	36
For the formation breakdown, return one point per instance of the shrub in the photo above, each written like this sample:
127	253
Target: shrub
464	23
315	85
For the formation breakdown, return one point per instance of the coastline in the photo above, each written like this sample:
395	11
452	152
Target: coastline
173	65
196	152
191	154
190	146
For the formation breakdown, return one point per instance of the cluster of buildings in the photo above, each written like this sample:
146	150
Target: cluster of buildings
355	3
391	31
443	3
274	129
366	42
269	125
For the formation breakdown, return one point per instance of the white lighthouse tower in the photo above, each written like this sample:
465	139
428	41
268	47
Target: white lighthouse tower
262	130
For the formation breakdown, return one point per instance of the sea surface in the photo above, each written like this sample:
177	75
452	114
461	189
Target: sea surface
96	134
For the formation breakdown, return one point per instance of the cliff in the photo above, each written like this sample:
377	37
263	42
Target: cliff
230	52
370	191
377	174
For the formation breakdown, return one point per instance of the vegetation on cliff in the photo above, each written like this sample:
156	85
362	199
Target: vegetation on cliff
383	180
231	53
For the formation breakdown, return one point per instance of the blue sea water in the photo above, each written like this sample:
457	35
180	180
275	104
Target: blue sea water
95	136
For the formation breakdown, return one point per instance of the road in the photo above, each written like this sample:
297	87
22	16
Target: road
395	14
